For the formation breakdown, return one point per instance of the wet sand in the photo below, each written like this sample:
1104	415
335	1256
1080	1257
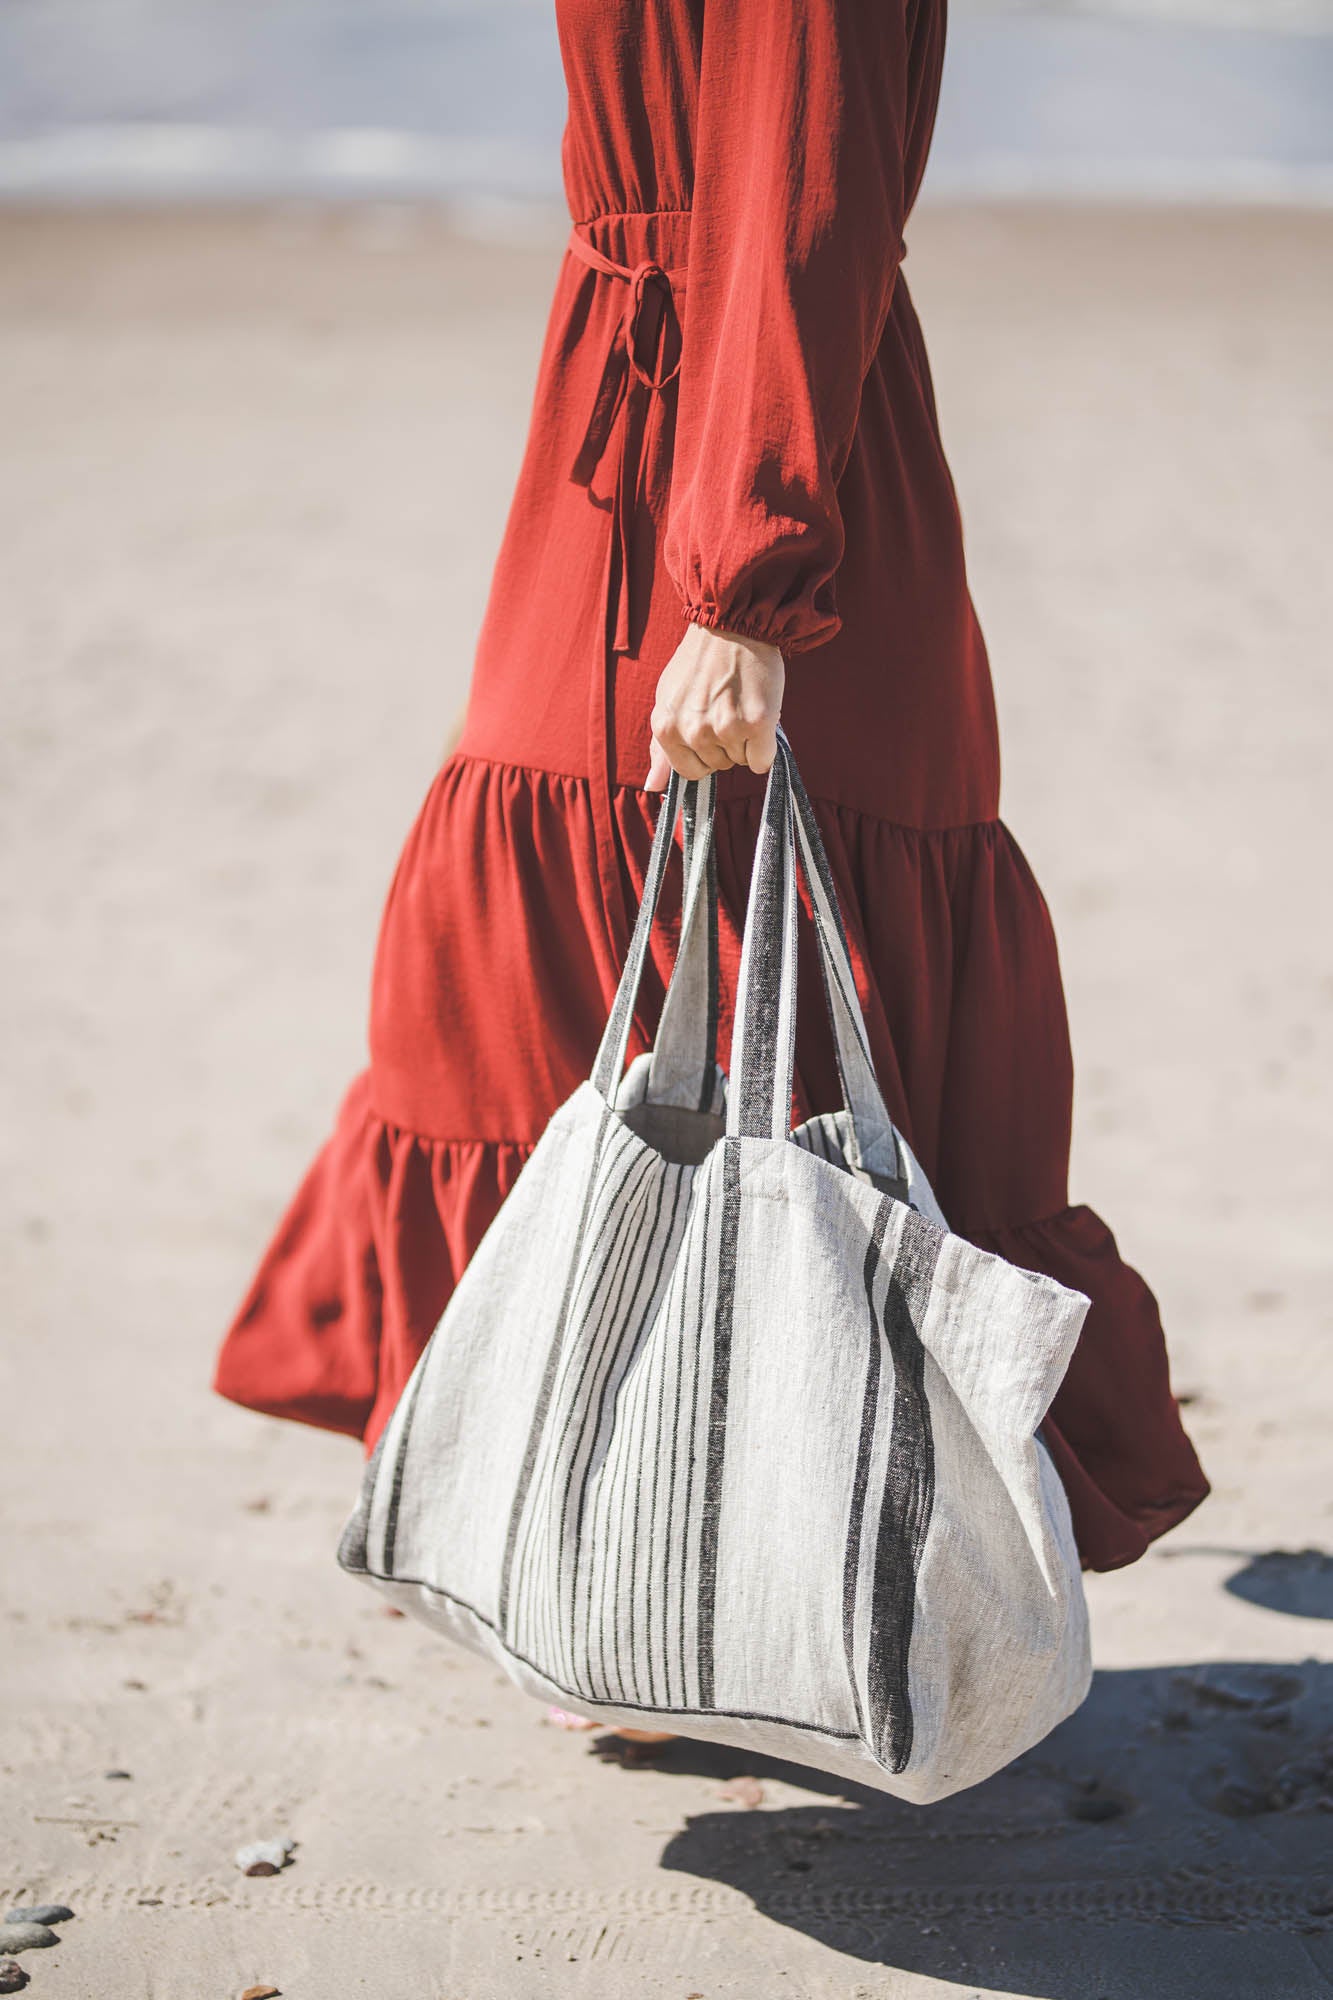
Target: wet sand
254	472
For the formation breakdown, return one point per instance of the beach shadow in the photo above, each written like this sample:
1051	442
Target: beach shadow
1171	1840
1297	1582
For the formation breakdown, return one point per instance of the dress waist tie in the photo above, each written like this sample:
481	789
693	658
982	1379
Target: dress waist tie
635	369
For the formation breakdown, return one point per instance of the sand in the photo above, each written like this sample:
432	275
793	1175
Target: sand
253	476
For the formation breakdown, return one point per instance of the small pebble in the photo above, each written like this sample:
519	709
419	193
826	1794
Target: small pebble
116	1774
262	1993
265	1857
13	1978
41	1913
26	1937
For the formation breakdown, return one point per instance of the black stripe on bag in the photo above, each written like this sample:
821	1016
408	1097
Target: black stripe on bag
538	1424
717	1413
396	1491
869	1410
641	1421
603	1375
665	1421
623	1178
909	1494
354	1547
700	1274
650	1447
671	1604
764	995
708	1076
697	824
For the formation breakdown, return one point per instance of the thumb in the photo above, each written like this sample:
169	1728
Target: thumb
659	769
761	746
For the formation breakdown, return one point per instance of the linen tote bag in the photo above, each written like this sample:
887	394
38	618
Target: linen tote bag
722	1430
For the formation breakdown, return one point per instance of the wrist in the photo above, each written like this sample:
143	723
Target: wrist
705	619
763	653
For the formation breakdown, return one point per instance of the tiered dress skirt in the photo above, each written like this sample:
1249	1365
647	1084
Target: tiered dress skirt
510	909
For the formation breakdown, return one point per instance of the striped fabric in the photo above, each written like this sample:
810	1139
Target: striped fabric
722	1428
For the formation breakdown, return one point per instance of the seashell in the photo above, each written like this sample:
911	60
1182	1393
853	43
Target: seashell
265	1857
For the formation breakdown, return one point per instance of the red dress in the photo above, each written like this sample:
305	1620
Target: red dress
733	424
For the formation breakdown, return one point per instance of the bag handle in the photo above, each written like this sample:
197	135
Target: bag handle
763	1046
683	1068
877	1141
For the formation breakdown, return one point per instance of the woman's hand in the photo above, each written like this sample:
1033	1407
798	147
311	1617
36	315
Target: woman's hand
718	704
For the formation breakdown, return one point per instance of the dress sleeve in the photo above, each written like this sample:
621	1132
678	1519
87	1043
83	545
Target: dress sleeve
795	242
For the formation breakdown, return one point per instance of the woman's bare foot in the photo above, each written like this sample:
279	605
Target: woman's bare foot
564	1718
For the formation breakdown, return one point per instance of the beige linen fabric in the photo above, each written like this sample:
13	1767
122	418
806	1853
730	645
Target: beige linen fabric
722	1429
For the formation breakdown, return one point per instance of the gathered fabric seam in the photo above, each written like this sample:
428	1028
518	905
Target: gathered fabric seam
639	791
627	215
396	1127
